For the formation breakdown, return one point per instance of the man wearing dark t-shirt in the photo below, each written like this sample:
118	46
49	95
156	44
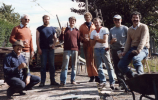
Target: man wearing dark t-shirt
45	45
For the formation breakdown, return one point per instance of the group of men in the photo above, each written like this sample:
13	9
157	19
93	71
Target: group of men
132	43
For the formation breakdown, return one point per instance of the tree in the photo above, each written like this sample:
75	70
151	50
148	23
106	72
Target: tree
147	8
8	20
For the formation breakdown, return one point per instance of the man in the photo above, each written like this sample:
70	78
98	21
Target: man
22	32
117	37
71	37
136	47
45	45
15	77
85	30
99	39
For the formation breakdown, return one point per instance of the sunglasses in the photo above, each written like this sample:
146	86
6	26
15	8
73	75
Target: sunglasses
116	19
27	19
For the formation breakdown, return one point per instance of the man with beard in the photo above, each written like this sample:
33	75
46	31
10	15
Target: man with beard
85	31
22	32
45	47
14	65
136	47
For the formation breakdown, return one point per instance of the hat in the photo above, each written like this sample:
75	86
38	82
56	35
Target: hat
18	42
117	17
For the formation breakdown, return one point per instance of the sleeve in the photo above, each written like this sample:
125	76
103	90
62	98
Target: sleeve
91	36
143	38
31	45
8	68
106	31
78	41
128	42
28	69
13	35
110	37
81	34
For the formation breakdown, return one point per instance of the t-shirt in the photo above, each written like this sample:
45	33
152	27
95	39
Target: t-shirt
121	35
46	36
103	31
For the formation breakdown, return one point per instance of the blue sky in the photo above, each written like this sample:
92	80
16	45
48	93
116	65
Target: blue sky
35	12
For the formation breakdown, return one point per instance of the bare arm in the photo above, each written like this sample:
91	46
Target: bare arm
101	40
37	42
55	40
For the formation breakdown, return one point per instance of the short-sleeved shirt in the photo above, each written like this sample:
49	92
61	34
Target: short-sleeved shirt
46	36
103	31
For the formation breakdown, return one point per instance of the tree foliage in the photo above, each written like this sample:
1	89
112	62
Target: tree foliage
8	20
148	9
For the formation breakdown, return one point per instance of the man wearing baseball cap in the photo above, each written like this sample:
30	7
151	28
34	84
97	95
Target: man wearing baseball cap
16	71
117	37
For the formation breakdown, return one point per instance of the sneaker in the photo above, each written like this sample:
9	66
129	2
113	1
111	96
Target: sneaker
41	85
54	83
102	85
74	83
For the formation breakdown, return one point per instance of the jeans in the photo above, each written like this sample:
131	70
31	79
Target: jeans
124	62
47	54
17	85
116	60
100	54
66	57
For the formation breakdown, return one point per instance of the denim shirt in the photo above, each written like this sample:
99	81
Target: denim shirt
11	63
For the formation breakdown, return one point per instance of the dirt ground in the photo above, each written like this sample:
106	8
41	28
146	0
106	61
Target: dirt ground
83	91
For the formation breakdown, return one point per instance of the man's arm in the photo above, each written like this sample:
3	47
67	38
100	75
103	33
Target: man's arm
12	36
37	42
55	40
127	44
143	38
105	36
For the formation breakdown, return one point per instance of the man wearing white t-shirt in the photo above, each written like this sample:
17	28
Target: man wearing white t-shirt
99	40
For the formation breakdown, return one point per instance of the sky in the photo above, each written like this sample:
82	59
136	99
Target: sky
48	7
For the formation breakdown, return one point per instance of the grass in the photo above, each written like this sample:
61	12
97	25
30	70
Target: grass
152	63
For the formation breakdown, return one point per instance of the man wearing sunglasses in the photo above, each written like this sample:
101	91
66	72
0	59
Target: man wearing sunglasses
22	32
117	38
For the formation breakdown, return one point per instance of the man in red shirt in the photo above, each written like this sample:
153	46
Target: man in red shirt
71	37
22	32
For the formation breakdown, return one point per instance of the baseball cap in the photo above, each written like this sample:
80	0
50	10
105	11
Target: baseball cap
18	42
117	17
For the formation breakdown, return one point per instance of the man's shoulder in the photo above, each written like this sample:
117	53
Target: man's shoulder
143	25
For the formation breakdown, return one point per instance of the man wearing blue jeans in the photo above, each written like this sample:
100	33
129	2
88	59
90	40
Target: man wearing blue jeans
71	37
136	48
99	39
45	45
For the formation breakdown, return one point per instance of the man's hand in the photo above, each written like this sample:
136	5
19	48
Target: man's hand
96	37
132	54
40	51
113	40
53	46
32	54
123	53
27	80
22	65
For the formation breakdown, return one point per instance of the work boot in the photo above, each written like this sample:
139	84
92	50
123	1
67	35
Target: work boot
97	79
9	93
91	79
130	74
